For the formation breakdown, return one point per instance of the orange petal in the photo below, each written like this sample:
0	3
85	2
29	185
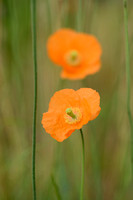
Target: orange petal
55	125
60	139
58	44
67	98
93	100
88	46
94	68
64	99
81	72
54	121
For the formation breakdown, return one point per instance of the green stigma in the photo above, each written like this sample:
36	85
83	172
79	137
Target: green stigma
73	58
74	55
70	113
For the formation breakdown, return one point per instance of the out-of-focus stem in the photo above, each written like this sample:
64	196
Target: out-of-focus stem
79	16
128	77
49	15
58	195
96	165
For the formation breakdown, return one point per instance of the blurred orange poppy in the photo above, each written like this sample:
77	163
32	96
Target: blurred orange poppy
70	110
77	53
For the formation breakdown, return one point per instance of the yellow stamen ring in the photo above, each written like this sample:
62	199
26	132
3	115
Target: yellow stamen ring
73	58
72	115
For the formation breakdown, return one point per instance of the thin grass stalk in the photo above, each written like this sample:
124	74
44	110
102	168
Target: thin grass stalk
96	165
58	195
33	21
79	16
123	184
95	158
48	8
94	14
83	167
128	77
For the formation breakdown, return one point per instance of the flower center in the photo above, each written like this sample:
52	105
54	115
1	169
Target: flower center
72	115
73	58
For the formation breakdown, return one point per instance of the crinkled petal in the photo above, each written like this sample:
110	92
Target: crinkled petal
93	100
54	125
64	99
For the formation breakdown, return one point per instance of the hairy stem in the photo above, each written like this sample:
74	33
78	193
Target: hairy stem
33	21
83	166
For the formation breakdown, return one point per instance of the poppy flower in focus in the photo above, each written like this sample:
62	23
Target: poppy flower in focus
70	110
77	53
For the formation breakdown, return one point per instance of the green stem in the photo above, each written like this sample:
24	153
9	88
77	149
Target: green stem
83	166
33	21
128	78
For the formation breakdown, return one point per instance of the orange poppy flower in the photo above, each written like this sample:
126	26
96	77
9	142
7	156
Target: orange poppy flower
77	53
70	110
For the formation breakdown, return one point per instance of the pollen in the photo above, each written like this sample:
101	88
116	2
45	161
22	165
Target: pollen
73	115
73	58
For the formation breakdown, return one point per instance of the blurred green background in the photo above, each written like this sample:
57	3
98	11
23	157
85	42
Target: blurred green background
107	139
